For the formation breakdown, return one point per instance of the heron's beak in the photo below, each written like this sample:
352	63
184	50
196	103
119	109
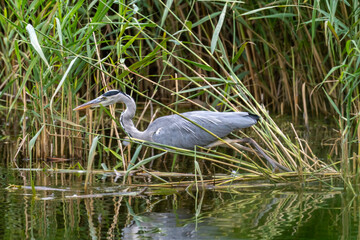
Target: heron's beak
93	103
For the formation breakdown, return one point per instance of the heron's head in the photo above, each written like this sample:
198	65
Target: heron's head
108	98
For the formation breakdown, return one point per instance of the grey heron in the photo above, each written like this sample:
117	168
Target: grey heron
174	130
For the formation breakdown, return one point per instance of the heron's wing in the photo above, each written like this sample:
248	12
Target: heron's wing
176	131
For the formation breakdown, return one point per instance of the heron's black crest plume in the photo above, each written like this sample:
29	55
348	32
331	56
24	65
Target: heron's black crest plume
111	93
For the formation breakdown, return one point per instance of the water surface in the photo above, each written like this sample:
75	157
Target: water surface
110	210
61	209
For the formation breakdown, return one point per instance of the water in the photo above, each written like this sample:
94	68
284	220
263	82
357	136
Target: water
110	210
61	209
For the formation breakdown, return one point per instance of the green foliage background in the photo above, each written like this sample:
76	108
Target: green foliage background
283	57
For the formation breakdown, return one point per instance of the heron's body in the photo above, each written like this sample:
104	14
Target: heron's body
175	130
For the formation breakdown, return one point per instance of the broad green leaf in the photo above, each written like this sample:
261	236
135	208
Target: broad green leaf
201	79
333	104
348	47
200	88
207	18
72	13
331	72
62	82
218	27
33	140
146	60
118	156
61	119
166	12
135	155
58	26
189	26
18	56
313	23
143	162
131	41
262	9
238	54
333	31
277	15
35	43
202	66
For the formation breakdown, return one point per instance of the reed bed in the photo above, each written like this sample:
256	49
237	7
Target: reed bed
280	57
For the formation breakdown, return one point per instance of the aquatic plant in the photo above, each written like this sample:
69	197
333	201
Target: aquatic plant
255	56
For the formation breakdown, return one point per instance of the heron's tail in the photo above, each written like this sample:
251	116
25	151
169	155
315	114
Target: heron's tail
254	116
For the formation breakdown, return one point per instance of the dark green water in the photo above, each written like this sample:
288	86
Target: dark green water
62	209
67	212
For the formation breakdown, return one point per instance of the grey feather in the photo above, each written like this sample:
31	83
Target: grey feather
176	131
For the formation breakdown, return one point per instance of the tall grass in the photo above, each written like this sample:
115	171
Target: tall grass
343	43
254	56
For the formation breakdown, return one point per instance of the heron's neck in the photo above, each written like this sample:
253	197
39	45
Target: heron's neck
127	116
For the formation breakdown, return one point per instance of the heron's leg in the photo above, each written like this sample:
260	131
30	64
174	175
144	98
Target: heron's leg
273	163
234	142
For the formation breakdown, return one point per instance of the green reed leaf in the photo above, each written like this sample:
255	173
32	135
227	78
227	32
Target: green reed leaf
35	43
216	33
91	160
